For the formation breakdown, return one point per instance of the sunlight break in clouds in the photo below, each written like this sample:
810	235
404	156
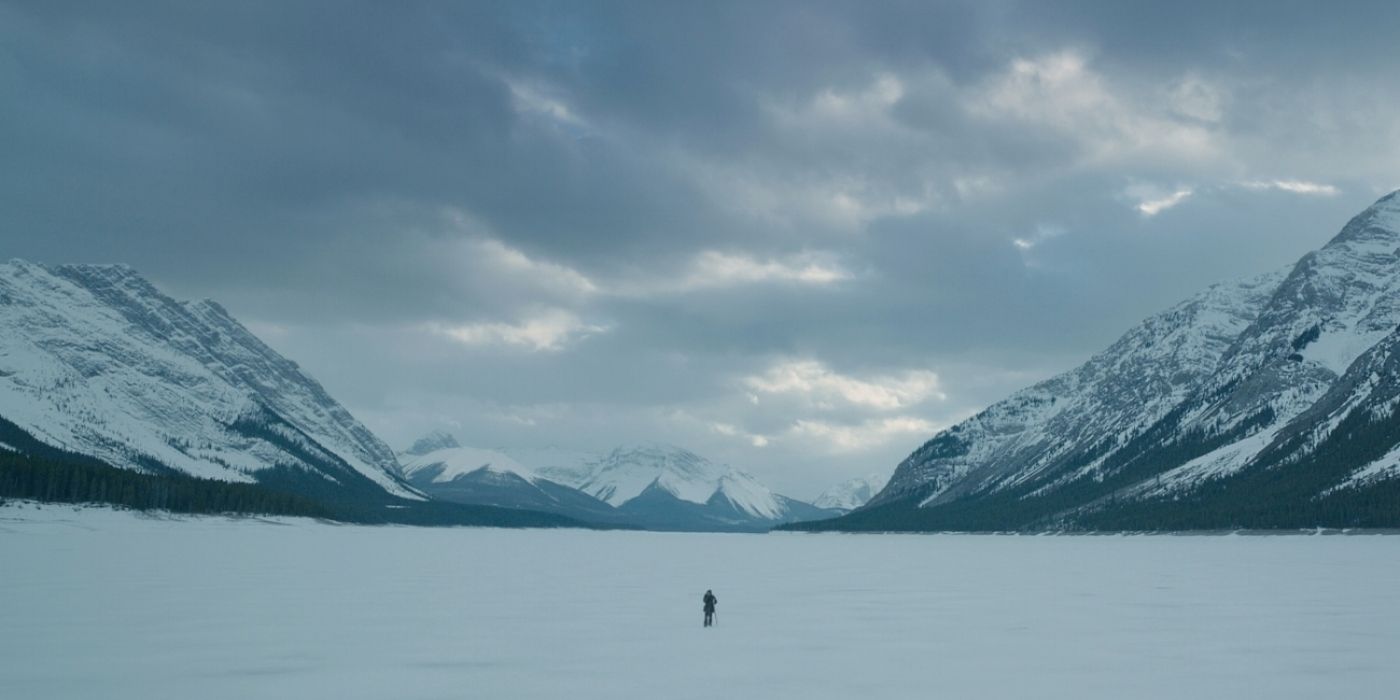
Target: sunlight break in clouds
707	270
1153	207
1042	233
550	331
813	380
713	269
1294	186
871	433
531	100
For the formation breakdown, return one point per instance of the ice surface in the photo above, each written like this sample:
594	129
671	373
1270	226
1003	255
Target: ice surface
97	603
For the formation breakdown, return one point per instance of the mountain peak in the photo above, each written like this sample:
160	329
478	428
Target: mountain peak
851	493
1378	224
432	442
449	462
653	448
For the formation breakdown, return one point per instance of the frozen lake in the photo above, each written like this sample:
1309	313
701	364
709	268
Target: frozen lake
104	604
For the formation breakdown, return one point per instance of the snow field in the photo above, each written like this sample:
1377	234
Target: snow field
97	603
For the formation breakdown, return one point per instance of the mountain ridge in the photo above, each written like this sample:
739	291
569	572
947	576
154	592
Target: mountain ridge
96	360
652	485
1236	388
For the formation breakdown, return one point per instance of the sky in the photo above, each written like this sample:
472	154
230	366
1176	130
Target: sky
797	237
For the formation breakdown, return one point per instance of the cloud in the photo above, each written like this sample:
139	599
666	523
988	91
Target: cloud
1151	200
863	436
549	331
1293	186
1041	234
834	108
1196	98
812	380
535	102
731	430
717	269
649	204
497	257
490	258
1061	93
839	199
836	158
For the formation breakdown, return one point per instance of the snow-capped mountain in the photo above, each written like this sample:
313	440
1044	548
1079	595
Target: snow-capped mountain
552	462
433	441
96	361
628	471
1215	413
451	460
851	493
668	487
1073	420
440	467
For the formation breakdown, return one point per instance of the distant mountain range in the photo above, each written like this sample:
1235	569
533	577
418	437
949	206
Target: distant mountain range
100	371
1265	403
653	486
440	467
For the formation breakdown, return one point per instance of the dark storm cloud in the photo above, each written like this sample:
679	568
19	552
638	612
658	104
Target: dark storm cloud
758	229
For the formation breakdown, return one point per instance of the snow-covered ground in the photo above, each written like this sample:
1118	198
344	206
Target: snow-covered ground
97	603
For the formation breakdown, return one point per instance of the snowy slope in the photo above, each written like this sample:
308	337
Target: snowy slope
851	493
433	441
746	494
628	471
559	464
1337	303
1241	380
440	467
96	360
668	487
1071	423
449	463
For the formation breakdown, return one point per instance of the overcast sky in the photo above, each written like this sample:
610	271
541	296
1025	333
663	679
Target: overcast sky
797	237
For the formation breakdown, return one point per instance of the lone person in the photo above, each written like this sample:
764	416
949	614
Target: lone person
710	601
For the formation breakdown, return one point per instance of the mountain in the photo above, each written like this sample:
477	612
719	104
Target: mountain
438	466
433	441
657	487
670	488
100	370
1263	403
851	493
